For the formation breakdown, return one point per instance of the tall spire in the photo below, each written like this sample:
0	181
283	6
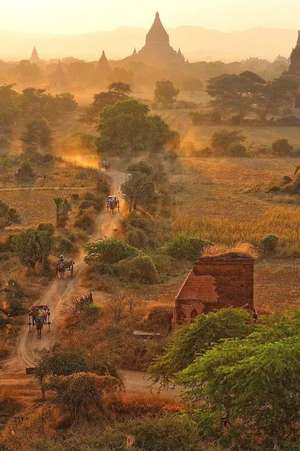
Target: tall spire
35	56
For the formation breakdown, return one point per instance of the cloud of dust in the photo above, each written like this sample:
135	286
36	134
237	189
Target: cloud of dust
79	156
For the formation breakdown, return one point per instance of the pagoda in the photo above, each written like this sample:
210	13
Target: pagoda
35	59
157	49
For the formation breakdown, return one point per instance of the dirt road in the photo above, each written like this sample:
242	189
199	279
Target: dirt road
58	297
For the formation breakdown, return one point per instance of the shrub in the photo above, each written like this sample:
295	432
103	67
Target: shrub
187	247
237	150
282	148
167	433
139	269
90	313
25	173
85	222
109	251
64	246
82	393
269	244
137	238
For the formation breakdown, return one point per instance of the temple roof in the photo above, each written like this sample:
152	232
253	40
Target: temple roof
34	55
157	33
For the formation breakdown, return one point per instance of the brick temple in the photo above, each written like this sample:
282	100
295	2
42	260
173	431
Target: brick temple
216	282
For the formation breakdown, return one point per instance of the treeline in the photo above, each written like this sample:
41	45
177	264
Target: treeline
34	108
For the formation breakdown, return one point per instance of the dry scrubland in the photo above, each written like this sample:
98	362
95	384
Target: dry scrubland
224	201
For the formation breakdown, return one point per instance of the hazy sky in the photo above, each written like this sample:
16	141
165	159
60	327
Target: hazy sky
79	16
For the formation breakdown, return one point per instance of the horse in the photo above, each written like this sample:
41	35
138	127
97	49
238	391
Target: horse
38	316
112	203
63	266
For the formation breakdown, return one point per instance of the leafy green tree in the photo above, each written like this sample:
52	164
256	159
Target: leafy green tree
109	251
187	247
253	383
65	103
6	131
139	191
37	136
9	103
127	128
196	339
32	247
165	93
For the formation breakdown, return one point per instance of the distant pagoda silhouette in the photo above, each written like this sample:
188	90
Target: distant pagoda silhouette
294	68
157	49
35	59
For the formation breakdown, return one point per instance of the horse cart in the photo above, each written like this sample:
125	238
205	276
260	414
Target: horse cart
112	203
39	316
64	266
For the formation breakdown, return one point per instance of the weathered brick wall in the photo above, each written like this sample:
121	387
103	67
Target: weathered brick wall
233	280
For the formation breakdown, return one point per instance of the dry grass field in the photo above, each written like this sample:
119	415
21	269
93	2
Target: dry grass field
224	201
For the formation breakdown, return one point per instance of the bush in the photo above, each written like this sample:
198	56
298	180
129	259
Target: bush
137	238
25	173
167	433
237	150
109	251
90	313
187	247
86	223
138	269
282	148
82	393
64	246
269	244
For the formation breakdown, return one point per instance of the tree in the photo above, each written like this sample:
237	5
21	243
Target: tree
65	103
120	88
282	147
236	94
82	394
165	93
28	73
5	132
8	215
127	128
276	95
33	246
37	136
63	208
109	251
25	173
193	85
139	190
187	247
223	141
253	383
196	339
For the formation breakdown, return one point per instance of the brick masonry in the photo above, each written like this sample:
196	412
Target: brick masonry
216	282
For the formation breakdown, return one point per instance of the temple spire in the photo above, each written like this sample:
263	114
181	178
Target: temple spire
35	56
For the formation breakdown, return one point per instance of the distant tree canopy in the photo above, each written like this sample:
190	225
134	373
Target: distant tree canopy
249	93
28	73
126	128
37	136
117	92
165	93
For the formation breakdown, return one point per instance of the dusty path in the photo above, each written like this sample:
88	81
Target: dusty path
57	297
